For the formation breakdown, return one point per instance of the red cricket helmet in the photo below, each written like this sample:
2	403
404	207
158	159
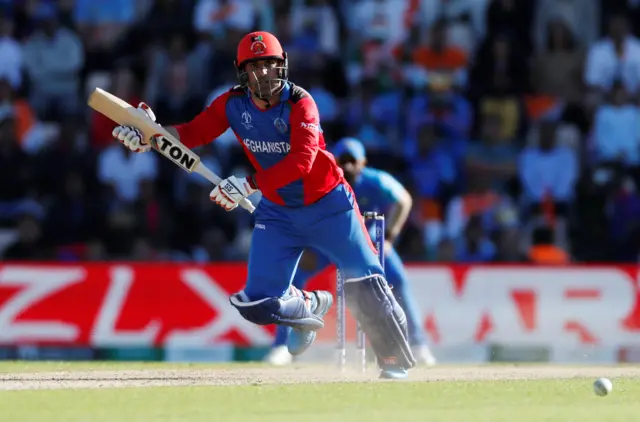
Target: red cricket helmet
260	45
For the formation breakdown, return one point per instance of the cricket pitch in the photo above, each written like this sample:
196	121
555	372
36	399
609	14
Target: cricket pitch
74	376
143	392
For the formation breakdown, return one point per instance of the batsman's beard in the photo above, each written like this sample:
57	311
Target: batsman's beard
266	86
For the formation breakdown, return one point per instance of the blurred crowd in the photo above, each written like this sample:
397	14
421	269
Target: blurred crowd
515	124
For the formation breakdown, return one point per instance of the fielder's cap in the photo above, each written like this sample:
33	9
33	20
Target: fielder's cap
350	146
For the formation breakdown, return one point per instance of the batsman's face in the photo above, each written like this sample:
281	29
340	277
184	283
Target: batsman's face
264	79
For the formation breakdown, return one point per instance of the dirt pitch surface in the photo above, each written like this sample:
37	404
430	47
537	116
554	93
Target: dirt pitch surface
291	375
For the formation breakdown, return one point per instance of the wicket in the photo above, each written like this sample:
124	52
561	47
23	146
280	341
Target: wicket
361	341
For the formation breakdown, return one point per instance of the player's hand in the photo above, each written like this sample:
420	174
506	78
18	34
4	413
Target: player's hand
131	137
231	191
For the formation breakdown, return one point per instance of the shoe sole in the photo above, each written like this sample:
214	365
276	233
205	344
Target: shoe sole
393	375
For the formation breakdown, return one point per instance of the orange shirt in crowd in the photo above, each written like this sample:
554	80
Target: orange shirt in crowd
450	58
548	254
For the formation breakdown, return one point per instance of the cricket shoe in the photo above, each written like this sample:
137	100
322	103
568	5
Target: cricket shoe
279	356
393	372
300	340
423	355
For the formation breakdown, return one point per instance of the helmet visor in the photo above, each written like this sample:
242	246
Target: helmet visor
264	78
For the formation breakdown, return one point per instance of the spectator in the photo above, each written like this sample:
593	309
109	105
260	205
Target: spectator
544	251
368	126
95	251
548	171
630	8
142	250
614	58
195	214
122	171
167	17
624	222
102	23
29	246
11	104
177	81
314	26
214	17
499	78
213	246
508	248
437	74
380	20
151	213
53	58
11	53
119	233
22	16
74	216
446	252
495	155
479	198
512	18
441	92
475	246
581	18
447	108
615	129
499	70
558	65
466	19
16	168
433	175
445	65
66	151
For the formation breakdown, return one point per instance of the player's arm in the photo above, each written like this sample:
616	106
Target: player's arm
400	208
305	135
206	126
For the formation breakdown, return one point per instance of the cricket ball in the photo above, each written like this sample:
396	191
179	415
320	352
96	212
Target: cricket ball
602	386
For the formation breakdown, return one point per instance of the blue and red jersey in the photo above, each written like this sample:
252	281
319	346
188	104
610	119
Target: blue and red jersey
284	143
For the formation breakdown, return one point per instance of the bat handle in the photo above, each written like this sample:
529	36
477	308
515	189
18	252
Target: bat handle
213	178
247	205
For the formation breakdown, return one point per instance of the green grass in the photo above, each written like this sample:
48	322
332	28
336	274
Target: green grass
570	400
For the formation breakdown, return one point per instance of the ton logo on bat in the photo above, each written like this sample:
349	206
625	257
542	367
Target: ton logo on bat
176	153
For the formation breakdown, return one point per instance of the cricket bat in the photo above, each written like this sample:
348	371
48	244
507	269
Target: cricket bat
162	141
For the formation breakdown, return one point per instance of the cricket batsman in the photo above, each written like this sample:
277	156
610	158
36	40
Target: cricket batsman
306	203
380	192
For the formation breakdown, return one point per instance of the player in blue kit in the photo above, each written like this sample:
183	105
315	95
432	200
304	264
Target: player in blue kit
306	203
380	192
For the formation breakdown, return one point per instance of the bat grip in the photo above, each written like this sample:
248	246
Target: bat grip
247	205
213	178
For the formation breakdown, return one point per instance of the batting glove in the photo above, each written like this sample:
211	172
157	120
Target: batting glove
131	137
231	191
